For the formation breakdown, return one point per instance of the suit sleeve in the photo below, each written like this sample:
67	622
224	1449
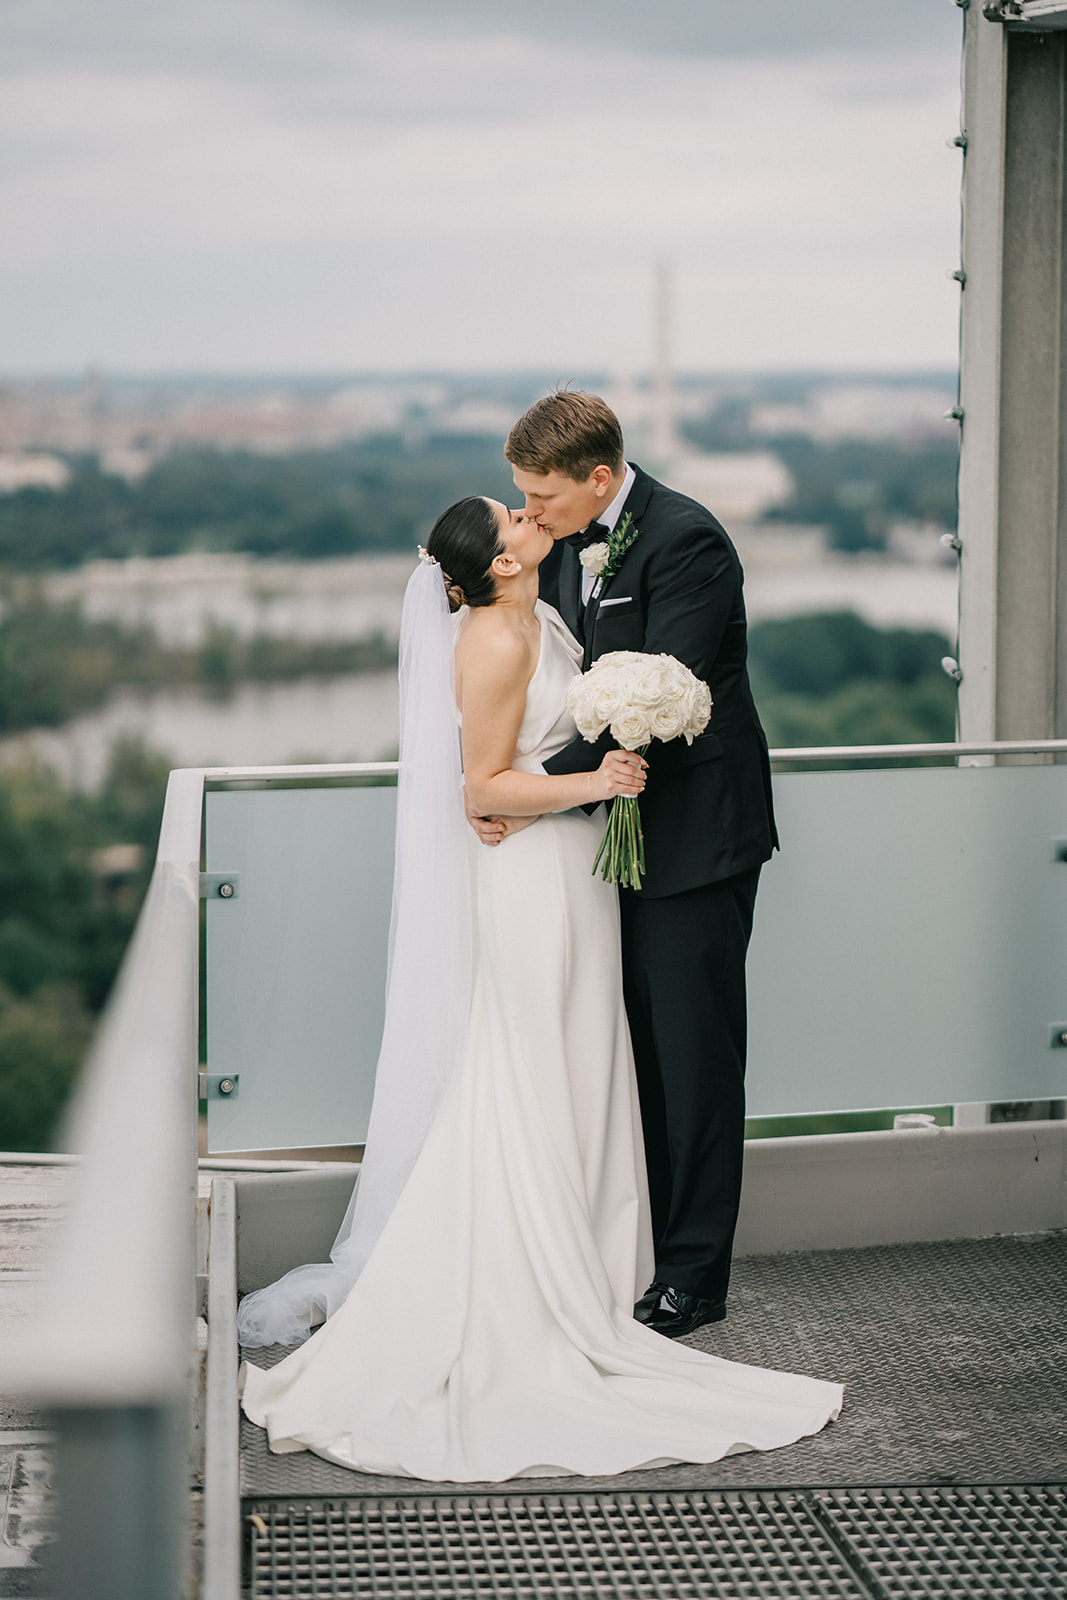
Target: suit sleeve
693	586
580	756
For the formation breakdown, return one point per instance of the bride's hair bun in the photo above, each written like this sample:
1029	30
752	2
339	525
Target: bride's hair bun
465	539
456	595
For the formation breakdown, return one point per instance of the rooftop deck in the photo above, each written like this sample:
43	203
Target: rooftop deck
945	1475
952	1355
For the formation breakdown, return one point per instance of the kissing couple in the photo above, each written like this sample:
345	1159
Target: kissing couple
553	1166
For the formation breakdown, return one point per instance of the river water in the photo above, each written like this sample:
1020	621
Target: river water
354	718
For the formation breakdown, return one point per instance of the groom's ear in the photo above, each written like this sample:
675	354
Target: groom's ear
601	479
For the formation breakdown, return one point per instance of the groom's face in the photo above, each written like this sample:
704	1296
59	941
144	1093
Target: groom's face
560	504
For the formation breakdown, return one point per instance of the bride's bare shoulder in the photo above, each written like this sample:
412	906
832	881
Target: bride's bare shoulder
488	644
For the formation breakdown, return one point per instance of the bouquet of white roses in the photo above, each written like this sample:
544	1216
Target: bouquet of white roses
640	698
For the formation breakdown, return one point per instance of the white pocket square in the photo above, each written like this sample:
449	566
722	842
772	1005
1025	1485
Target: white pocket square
616	600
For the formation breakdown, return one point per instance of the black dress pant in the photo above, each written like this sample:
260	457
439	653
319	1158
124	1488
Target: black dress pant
683	962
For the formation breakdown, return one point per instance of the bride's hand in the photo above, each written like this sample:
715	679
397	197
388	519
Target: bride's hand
514	824
494	830
620	772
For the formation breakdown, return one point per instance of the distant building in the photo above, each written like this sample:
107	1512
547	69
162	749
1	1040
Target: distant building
857	411
738	487
19	470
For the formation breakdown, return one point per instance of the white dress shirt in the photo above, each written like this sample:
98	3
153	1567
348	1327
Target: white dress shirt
608	520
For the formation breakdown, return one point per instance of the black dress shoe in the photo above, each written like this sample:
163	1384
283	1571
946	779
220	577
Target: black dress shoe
678	1313
649	1300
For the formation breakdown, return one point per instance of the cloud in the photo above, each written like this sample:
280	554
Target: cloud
322	186
291	36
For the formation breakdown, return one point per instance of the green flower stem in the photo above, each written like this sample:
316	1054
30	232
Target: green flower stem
622	849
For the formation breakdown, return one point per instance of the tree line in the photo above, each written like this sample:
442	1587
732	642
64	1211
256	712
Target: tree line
56	663
383	494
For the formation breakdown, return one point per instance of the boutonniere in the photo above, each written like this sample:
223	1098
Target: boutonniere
605	559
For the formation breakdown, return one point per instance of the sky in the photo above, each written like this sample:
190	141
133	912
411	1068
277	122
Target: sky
477	185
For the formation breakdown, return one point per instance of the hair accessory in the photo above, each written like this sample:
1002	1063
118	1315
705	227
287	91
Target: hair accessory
427	559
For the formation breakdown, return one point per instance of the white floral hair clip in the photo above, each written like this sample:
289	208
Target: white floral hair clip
427	559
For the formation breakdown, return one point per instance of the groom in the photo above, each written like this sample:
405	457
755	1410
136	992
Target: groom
707	819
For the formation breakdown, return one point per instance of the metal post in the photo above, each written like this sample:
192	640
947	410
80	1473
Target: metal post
123	1494
1013	575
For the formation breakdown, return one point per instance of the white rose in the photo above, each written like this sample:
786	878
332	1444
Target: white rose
646	690
698	710
609	698
667	721
631	729
581	707
594	558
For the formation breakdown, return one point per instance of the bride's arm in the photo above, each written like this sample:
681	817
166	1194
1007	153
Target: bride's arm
492	686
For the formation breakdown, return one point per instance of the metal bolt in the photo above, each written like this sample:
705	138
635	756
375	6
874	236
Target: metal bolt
226	1086
1063	1038
225	891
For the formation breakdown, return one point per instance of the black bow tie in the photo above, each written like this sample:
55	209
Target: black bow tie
596	533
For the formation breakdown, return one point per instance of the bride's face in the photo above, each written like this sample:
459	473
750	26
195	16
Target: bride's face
523	539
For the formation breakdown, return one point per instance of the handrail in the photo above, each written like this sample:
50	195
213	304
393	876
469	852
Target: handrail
837	752
890	752
116	1325
325	769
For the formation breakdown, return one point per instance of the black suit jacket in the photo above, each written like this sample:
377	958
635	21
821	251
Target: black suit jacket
706	810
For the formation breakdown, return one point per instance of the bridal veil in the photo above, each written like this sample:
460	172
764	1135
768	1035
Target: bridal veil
428	986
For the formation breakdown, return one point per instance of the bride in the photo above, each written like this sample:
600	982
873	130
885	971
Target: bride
479	1302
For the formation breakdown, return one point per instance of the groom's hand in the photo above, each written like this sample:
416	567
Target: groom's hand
490	830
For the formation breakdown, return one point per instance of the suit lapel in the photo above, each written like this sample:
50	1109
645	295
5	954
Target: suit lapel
591	610
635	503
568	590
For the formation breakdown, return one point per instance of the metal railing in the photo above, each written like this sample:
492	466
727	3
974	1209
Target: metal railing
900	752
112	1354
111	1357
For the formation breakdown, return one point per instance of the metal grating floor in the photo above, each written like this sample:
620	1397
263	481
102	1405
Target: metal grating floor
876	1544
952	1355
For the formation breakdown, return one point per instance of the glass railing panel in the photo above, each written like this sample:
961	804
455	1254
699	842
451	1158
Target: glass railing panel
296	961
910	945
909	949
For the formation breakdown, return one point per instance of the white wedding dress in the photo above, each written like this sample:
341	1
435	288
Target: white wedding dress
490	1334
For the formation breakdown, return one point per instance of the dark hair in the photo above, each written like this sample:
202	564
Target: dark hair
465	539
569	432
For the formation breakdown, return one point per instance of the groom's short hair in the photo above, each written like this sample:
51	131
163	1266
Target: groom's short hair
568	432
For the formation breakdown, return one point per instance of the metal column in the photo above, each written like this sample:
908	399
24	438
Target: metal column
1013	468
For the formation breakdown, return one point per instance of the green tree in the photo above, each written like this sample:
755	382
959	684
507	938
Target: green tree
43	1038
64	925
834	679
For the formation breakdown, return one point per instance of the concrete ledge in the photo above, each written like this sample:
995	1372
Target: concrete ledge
287	1219
825	1192
844	1190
